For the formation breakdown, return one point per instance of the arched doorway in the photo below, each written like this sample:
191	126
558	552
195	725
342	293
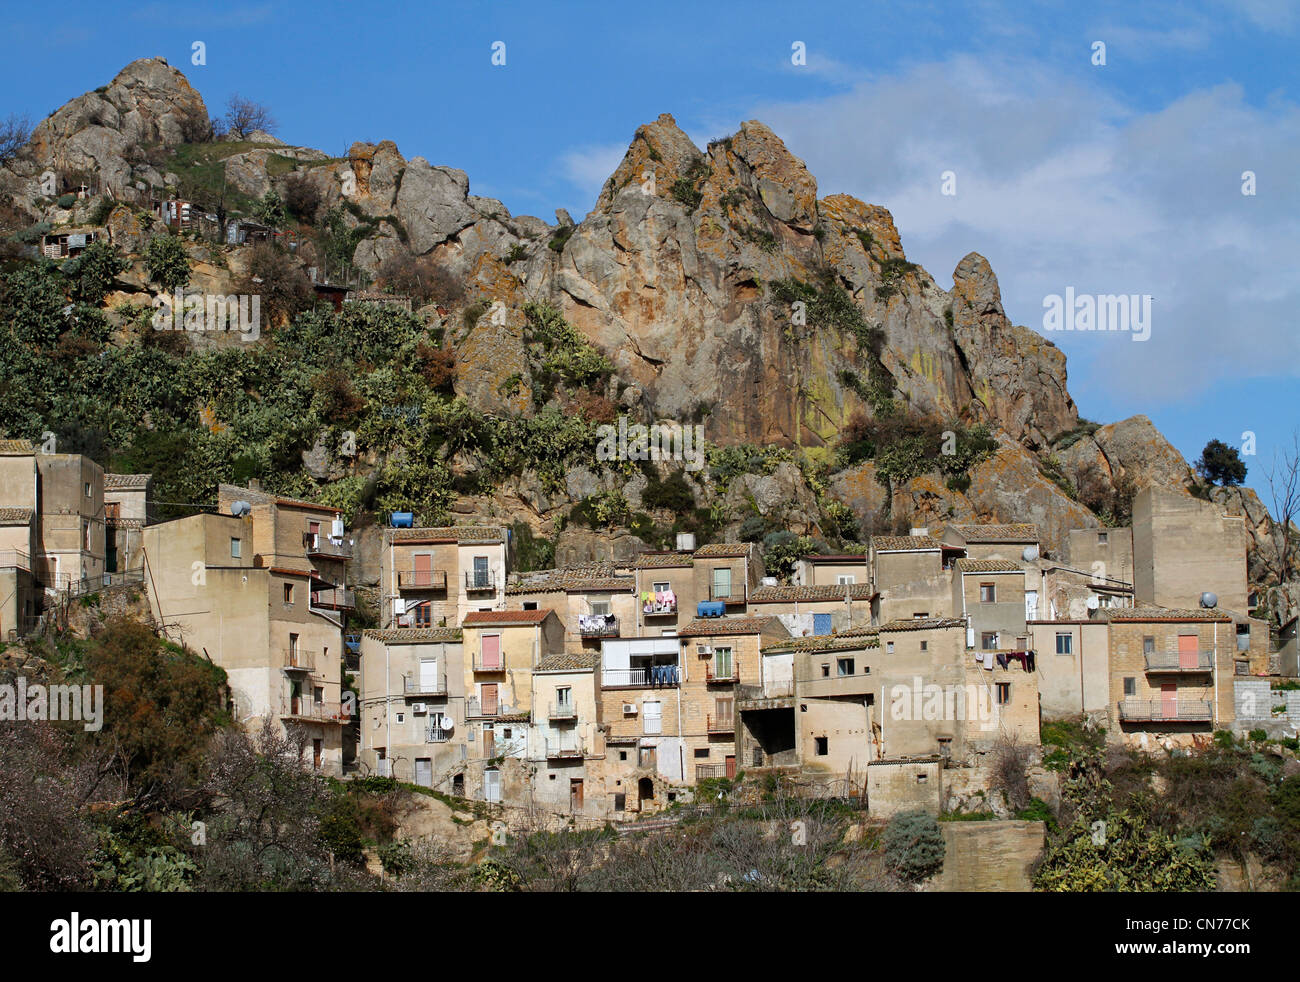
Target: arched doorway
645	790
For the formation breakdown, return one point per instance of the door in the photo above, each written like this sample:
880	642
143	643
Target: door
652	714
315	754
1169	700
731	766
489	698
480	572
491	651
492	785
721	584
429	675
1189	646
424	772
489	742
1031	605
422	566
313	530
575	794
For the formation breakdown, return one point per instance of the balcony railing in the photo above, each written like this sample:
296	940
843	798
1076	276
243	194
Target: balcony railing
564	748
1158	711
424	686
476	580
335	598
15	558
436	734
728	595
705	771
1162	661
497	664
316	712
298	660
598	626
421	579
720	724
474	707
660	608
657	676
720	673
326	547
562	711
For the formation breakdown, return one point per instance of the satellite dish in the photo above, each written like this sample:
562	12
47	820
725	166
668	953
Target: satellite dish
1030	553
1093	602
446	723
1209	600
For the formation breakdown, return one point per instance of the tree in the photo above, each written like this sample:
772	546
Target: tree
1121	852
93	272
15	131
270	210
1220	464
913	845
1284	488
274	276
302	198
167	262
243	117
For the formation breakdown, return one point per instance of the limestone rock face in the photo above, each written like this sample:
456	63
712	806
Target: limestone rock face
1134	449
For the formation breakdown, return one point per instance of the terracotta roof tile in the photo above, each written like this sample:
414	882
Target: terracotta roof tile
565	661
17	446
702	626
480	618
786	594
727	550
1021	532
827	642
591	576
922	624
453	533
1152	613
15	516
126	482
414	635
989	566
905	543
661	560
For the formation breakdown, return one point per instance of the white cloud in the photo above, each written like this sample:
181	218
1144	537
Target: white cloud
588	168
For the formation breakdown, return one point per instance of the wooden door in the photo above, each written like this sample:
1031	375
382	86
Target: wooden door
575	794
1169	700
489	699
1188	650
491	651
731	766
422	566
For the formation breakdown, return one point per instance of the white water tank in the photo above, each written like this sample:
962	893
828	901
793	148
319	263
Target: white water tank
685	541
336	528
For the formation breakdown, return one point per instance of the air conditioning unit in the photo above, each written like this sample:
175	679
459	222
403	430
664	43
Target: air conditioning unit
419	707
703	649
629	709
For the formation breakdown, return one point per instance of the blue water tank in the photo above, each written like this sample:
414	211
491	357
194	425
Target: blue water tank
710	608
402	519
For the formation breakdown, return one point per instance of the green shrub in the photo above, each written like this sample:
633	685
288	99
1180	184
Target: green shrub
913	846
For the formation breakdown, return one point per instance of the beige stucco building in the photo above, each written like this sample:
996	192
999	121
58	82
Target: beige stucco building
433	577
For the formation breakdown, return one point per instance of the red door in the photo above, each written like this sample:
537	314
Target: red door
1189	646
1169	700
491	651
731	765
490	699
423	567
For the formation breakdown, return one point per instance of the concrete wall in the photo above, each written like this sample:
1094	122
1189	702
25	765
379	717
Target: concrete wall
1183	547
1078	682
910	583
989	857
902	786
1105	552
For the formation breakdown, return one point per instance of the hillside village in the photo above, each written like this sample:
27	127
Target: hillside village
374	498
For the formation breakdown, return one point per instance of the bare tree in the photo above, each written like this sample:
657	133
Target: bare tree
15	131
1284	488
243	116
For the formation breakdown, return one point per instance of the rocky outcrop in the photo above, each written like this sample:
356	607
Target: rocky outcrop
1132	449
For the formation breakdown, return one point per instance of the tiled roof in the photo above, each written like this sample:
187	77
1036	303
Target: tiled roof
564	661
727	550
253	496
126	482
514	718
836	557
904	543
591	576
1023	532
453	533
1151	613
922	624
779	594
827	642
415	635
660	560
988	566
15	516
17	446
726	625
479	618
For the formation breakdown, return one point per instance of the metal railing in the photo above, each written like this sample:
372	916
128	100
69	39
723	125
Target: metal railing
319	712
706	771
323	545
15	557
93	584
564	748
297	659
480	580
562	710
720	724
497	664
659	608
1157	711
421	579
473	707
424	687
777	690
731	595
335	598
658	676
436	734
1166	661
727	673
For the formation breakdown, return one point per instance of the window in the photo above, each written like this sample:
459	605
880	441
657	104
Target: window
843	579
620	800
922	778
87	489
988	593
1243	637
652	715
1148	646
945	746
480	572
722	668
724	709
1004	693
622	755
661	586
721	583
564	697
530	605
826	669
989	640
920	615
843	666
423	616
288	593
599	608
823	747
234	548
889	647
1242	667
925	645
401	717
1103	538
701	753
1064	643
1130	687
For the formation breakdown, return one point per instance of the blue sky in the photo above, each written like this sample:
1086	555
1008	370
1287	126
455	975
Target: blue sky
1122	178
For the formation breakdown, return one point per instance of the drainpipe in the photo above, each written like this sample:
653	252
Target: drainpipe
1214	700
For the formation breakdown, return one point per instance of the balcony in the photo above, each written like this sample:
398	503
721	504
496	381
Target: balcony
436	734
654	677
564	749
334	598
720	674
728	595
562	711
720	724
480	581
422	579
705	771
13	558
305	710
496	664
660	608
323	547
473	708
424	686
1180	663
1157	711
296	660
598	626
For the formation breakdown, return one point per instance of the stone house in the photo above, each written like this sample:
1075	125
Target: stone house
831	569
811	610
128	508
991	595
433	577
567	749
994	541
910	576
593	601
